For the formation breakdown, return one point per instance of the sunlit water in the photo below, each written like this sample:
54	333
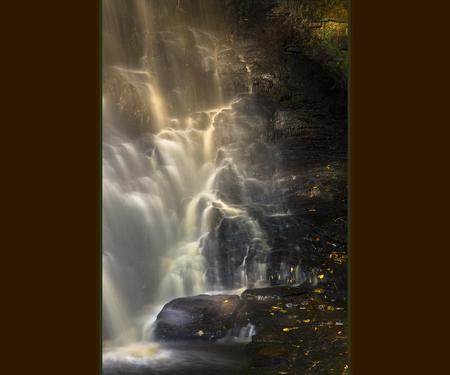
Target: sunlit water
162	98
180	358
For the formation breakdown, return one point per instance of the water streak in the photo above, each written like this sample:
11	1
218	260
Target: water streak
163	200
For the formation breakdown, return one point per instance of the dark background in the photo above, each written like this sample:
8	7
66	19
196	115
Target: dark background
50	150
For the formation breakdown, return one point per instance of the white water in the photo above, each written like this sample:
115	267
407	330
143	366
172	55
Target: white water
151	207
159	167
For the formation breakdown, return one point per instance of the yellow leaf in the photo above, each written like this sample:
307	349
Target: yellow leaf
338	257
200	333
287	329
321	276
226	301
306	320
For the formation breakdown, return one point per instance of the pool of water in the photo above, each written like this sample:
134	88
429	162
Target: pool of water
147	358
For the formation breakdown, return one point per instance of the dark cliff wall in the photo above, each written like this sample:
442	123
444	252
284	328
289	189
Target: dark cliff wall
297	52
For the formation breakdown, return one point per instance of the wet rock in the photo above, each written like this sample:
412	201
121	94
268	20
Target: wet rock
295	329
299	329
225	250
200	317
246	121
228	184
256	190
259	160
224	133
200	120
267	84
122	102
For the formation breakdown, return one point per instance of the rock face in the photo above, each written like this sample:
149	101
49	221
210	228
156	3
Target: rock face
201	317
299	330
289	329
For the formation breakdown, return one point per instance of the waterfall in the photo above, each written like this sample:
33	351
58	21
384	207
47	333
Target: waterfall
170	189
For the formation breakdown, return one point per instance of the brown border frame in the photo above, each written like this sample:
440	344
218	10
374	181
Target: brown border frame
51	179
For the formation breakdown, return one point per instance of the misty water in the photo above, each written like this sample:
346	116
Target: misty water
166	91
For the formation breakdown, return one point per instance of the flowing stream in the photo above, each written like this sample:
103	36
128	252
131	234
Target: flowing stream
165	180
189	193
200	192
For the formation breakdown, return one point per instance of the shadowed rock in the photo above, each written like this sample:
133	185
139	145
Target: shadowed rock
295	329
201	317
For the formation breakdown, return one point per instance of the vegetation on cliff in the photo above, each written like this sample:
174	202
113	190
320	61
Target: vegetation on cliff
316	28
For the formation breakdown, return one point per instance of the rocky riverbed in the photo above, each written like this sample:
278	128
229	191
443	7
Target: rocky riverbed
284	329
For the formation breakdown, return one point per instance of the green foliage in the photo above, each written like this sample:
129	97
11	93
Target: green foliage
321	27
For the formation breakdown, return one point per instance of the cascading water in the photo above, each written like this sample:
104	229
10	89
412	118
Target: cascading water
203	131
166	183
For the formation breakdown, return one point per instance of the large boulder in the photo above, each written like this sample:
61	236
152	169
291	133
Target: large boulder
202	317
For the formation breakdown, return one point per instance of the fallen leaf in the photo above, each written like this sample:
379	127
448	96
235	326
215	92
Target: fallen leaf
287	329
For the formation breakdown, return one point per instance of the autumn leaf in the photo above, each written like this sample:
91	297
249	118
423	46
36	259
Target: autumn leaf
287	329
